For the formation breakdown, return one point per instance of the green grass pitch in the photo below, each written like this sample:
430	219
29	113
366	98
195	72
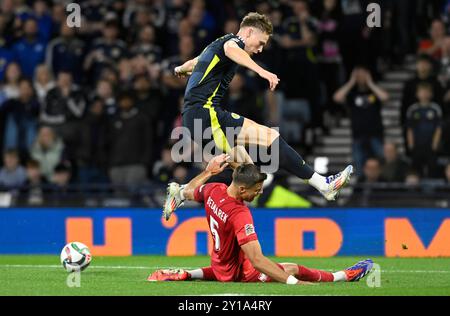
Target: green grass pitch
43	275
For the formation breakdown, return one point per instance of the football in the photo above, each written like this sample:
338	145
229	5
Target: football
75	256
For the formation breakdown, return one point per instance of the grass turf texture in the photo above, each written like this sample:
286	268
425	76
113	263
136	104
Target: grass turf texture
43	275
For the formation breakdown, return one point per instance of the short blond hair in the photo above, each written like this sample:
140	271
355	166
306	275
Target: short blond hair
260	21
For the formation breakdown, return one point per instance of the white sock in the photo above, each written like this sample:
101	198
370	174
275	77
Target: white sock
339	276
318	181
196	274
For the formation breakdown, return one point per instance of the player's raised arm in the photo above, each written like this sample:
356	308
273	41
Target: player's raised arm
215	166
241	57
253	251
186	69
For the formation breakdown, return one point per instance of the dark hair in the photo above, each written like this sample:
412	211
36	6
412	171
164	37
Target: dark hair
260	21
424	85
11	152
125	94
248	175
63	166
33	163
425	57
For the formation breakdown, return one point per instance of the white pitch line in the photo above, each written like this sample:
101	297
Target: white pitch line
54	266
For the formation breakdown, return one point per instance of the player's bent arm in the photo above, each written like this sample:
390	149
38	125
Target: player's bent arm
216	165
240	56
187	67
253	251
199	180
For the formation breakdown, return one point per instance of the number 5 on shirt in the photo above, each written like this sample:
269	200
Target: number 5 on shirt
213	226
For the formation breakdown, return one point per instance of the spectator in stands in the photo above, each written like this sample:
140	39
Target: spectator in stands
90	155
10	87
394	167
163	168
372	171
64	106
6	56
105	52
424	131
434	45
412	178
21	118
300	79
330	56
34	187
43	82
30	50
243	101
180	174
203	25
175	13
424	73
44	21
175	86
66	53
47	150
61	176
149	101
128	143
141	18
146	47
12	175
364	99
104	90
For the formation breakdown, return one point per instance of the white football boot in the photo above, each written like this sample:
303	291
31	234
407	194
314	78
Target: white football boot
336	183
173	199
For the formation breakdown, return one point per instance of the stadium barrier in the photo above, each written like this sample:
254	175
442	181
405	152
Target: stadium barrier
294	232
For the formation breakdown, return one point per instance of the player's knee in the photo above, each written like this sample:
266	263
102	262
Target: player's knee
274	134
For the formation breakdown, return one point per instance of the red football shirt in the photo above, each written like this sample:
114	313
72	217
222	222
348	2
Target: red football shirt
231	225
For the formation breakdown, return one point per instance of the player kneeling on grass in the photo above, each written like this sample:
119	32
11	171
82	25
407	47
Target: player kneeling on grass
237	255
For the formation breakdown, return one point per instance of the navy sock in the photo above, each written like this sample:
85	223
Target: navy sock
291	161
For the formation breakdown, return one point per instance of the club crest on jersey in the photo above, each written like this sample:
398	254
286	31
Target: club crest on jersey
249	229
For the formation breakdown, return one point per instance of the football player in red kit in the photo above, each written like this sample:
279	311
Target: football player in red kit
237	254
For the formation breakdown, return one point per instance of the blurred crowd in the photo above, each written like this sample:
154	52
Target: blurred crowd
97	104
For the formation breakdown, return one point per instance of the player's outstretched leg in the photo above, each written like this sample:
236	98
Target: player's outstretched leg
351	274
173	199
291	161
257	134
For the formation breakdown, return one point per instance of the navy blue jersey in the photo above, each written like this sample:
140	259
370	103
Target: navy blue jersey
424	120
212	74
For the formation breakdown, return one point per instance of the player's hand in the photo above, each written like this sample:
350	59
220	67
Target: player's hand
180	73
218	164
272	78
